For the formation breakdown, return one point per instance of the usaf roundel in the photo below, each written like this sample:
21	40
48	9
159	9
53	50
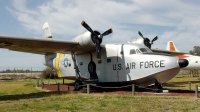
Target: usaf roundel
66	62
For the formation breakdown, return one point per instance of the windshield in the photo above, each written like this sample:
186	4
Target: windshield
145	50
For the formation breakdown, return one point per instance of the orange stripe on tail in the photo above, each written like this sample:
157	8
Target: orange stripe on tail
172	48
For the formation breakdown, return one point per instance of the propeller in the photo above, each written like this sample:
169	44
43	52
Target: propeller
97	38
147	41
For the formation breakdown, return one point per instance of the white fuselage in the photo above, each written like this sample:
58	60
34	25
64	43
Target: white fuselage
120	63
194	61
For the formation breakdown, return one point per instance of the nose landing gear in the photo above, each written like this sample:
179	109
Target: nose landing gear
157	87
78	85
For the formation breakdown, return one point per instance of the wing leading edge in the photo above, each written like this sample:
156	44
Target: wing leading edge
168	52
37	45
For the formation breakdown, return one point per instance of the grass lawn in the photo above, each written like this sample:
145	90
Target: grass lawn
21	95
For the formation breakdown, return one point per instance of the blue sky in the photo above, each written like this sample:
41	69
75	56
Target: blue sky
170	20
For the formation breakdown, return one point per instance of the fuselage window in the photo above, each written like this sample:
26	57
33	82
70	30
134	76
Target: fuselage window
132	51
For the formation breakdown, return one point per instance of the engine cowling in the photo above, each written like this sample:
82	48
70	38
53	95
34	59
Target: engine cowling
87	40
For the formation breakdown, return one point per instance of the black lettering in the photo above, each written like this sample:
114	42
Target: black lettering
157	65
161	63
133	65
141	64
151	64
146	64
119	66
127	66
114	66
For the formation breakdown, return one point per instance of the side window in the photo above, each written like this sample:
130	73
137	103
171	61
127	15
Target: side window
132	51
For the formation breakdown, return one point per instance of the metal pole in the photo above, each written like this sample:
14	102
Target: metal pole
196	91
189	85
133	89
88	88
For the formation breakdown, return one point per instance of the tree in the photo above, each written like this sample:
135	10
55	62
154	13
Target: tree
195	51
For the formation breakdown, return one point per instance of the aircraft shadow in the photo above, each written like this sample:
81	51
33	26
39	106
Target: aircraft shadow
30	95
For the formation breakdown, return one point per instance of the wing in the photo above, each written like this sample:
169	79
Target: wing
37	45
168	52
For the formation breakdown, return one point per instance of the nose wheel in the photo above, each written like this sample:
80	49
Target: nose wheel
78	85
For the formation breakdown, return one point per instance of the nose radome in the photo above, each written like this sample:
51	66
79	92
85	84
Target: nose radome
183	63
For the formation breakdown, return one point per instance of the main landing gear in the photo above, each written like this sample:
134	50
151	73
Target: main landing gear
78	85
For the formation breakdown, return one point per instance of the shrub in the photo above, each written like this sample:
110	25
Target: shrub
49	73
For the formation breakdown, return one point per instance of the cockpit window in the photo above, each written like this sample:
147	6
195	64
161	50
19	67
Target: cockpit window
138	51
145	50
132	51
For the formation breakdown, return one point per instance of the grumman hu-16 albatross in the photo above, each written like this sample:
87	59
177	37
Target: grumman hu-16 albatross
84	59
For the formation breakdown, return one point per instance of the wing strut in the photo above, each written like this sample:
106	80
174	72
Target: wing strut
78	76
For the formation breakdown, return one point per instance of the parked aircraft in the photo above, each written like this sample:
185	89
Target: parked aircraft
194	61
85	59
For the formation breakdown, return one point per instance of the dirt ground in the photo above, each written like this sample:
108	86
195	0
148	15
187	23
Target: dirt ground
13	76
123	91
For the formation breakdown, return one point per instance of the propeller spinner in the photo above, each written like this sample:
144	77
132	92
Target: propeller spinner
147	41
98	38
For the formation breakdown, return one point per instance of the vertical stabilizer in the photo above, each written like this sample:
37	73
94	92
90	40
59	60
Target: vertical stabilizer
171	46
46	33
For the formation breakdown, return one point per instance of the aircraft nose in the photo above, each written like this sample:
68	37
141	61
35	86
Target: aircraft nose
183	63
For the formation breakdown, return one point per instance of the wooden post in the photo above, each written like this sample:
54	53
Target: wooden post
196	91
189	85
42	85
133	89
63	81
88	88
37	83
58	87
68	88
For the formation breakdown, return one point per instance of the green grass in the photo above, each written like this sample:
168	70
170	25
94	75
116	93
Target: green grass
22	96
182	82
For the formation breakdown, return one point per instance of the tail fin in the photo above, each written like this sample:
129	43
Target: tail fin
46	33
171	46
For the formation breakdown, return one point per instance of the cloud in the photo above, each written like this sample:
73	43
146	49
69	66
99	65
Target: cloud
174	20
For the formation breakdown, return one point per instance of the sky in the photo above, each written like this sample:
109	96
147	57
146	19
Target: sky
170	20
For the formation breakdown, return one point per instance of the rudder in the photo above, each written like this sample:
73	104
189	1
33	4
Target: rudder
171	46
46	33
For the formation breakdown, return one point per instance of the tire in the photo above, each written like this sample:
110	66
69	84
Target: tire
78	85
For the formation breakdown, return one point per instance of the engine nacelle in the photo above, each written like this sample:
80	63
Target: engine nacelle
87	40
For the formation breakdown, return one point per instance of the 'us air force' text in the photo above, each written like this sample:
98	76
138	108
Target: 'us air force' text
146	64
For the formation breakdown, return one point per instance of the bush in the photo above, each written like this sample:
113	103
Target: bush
49	73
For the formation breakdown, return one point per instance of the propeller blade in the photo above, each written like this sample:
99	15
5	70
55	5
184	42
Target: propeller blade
84	24
154	39
107	32
140	34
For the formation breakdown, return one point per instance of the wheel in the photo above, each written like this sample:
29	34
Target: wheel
156	89
77	85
